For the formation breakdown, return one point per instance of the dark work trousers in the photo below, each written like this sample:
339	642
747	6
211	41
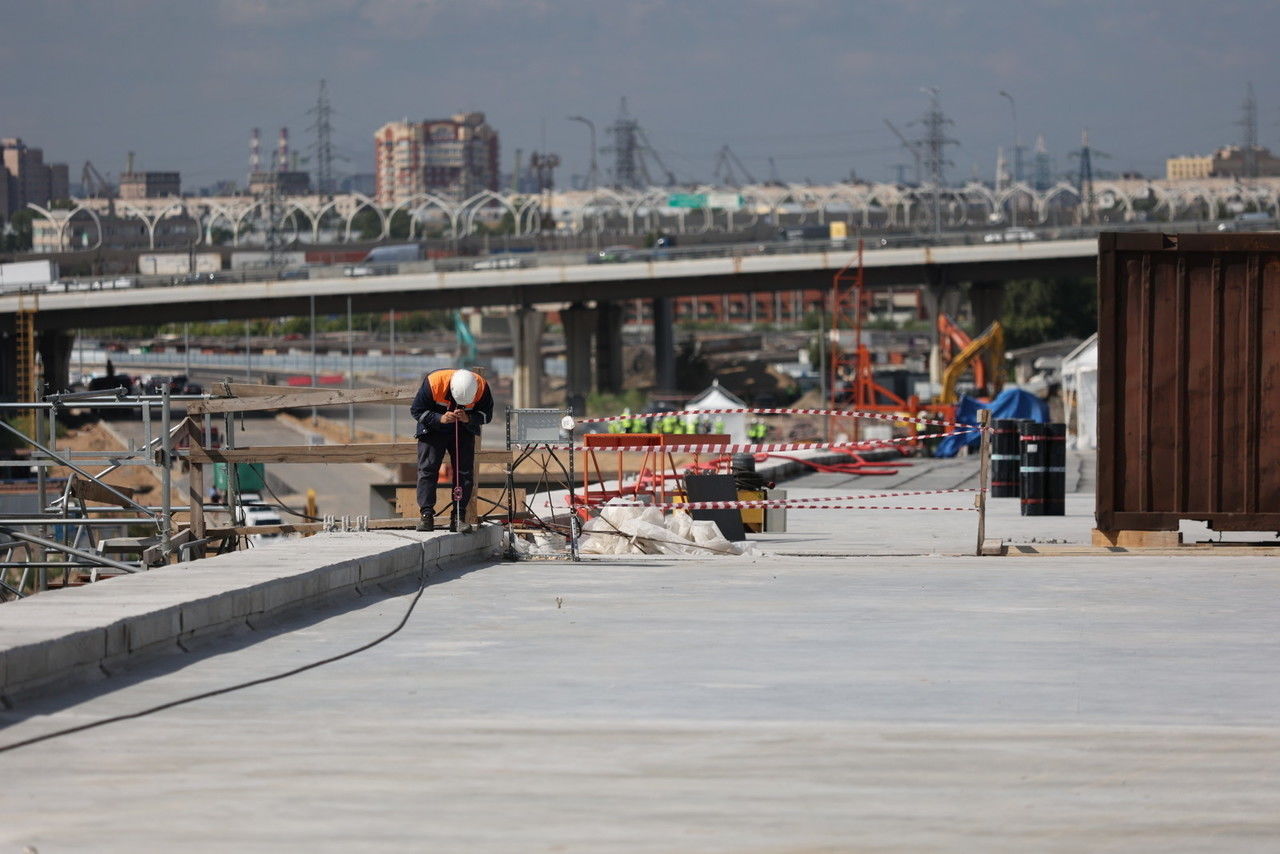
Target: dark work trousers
431	451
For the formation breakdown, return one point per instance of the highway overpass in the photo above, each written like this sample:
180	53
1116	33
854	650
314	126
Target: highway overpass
728	270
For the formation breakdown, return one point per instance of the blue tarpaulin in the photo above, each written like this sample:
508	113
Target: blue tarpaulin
1013	402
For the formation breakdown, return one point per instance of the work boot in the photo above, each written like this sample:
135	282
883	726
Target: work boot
427	523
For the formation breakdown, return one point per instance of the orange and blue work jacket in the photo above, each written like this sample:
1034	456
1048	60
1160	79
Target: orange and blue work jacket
434	399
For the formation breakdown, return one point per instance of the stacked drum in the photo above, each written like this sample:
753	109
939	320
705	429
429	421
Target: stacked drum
1042	468
1005	458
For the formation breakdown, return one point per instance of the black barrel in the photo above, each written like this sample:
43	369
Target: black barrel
1034	438
1005	458
1055	485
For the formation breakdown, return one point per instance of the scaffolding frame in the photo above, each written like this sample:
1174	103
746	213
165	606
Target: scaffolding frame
541	436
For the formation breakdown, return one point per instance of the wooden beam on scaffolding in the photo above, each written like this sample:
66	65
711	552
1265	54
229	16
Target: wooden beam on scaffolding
247	397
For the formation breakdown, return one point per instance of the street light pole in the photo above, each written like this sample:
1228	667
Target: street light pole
593	176
1017	139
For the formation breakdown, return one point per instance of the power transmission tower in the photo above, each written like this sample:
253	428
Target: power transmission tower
628	165
323	128
1249	141
933	150
1084	181
631	149
543	166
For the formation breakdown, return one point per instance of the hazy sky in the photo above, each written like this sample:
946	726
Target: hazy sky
809	82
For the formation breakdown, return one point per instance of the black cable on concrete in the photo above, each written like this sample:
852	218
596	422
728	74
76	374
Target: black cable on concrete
422	586
285	508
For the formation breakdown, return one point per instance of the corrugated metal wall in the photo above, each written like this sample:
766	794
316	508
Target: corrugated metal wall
1189	375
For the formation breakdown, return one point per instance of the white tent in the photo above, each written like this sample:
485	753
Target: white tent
715	397
1080	385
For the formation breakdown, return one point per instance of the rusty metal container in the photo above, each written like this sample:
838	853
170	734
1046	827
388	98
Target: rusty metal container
1189	381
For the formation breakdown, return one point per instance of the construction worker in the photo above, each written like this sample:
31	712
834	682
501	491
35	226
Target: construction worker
718	427
757	431
450	408
622	425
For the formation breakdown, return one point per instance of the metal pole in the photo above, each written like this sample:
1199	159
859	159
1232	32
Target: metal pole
248	377
314	420
42	575
166	476
984	454
351	376
393	370
186	349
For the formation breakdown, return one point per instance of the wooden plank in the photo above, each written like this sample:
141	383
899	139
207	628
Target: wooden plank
481	502
91	490
1137	539
372	452
289	398
195	499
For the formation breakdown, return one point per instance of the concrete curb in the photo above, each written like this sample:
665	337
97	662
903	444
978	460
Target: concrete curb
81	632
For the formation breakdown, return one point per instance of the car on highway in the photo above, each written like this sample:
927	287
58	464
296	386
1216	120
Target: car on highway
617	255
1013	234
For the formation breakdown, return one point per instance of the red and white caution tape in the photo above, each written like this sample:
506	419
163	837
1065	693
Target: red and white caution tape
779	503
843	413
766	448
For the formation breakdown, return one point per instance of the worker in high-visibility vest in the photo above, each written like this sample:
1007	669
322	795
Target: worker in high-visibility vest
619	425
718	427
450	408
667	425
757	431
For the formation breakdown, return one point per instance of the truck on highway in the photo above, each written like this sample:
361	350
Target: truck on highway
27	275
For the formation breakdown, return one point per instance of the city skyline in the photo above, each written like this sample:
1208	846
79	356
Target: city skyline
808	83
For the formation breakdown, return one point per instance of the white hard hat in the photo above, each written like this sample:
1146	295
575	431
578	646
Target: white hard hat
465	387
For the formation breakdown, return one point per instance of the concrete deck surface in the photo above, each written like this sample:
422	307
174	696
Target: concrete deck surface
886	702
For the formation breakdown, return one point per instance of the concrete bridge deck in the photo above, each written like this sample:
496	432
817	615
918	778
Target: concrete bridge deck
888	695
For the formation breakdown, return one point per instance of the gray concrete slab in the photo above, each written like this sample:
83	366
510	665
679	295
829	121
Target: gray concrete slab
880	703
895	694
74	633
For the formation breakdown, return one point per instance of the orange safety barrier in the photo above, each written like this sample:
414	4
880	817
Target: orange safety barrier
656	467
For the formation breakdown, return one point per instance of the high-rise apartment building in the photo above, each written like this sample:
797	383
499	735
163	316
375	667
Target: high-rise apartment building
28	178
456	157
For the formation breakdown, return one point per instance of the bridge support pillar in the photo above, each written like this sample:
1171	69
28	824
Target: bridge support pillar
941	296
609	346
55	354
986	302
526	346
579	323
664	346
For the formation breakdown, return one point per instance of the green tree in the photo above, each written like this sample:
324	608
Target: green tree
1039	310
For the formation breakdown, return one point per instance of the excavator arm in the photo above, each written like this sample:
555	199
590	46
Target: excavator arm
991	341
